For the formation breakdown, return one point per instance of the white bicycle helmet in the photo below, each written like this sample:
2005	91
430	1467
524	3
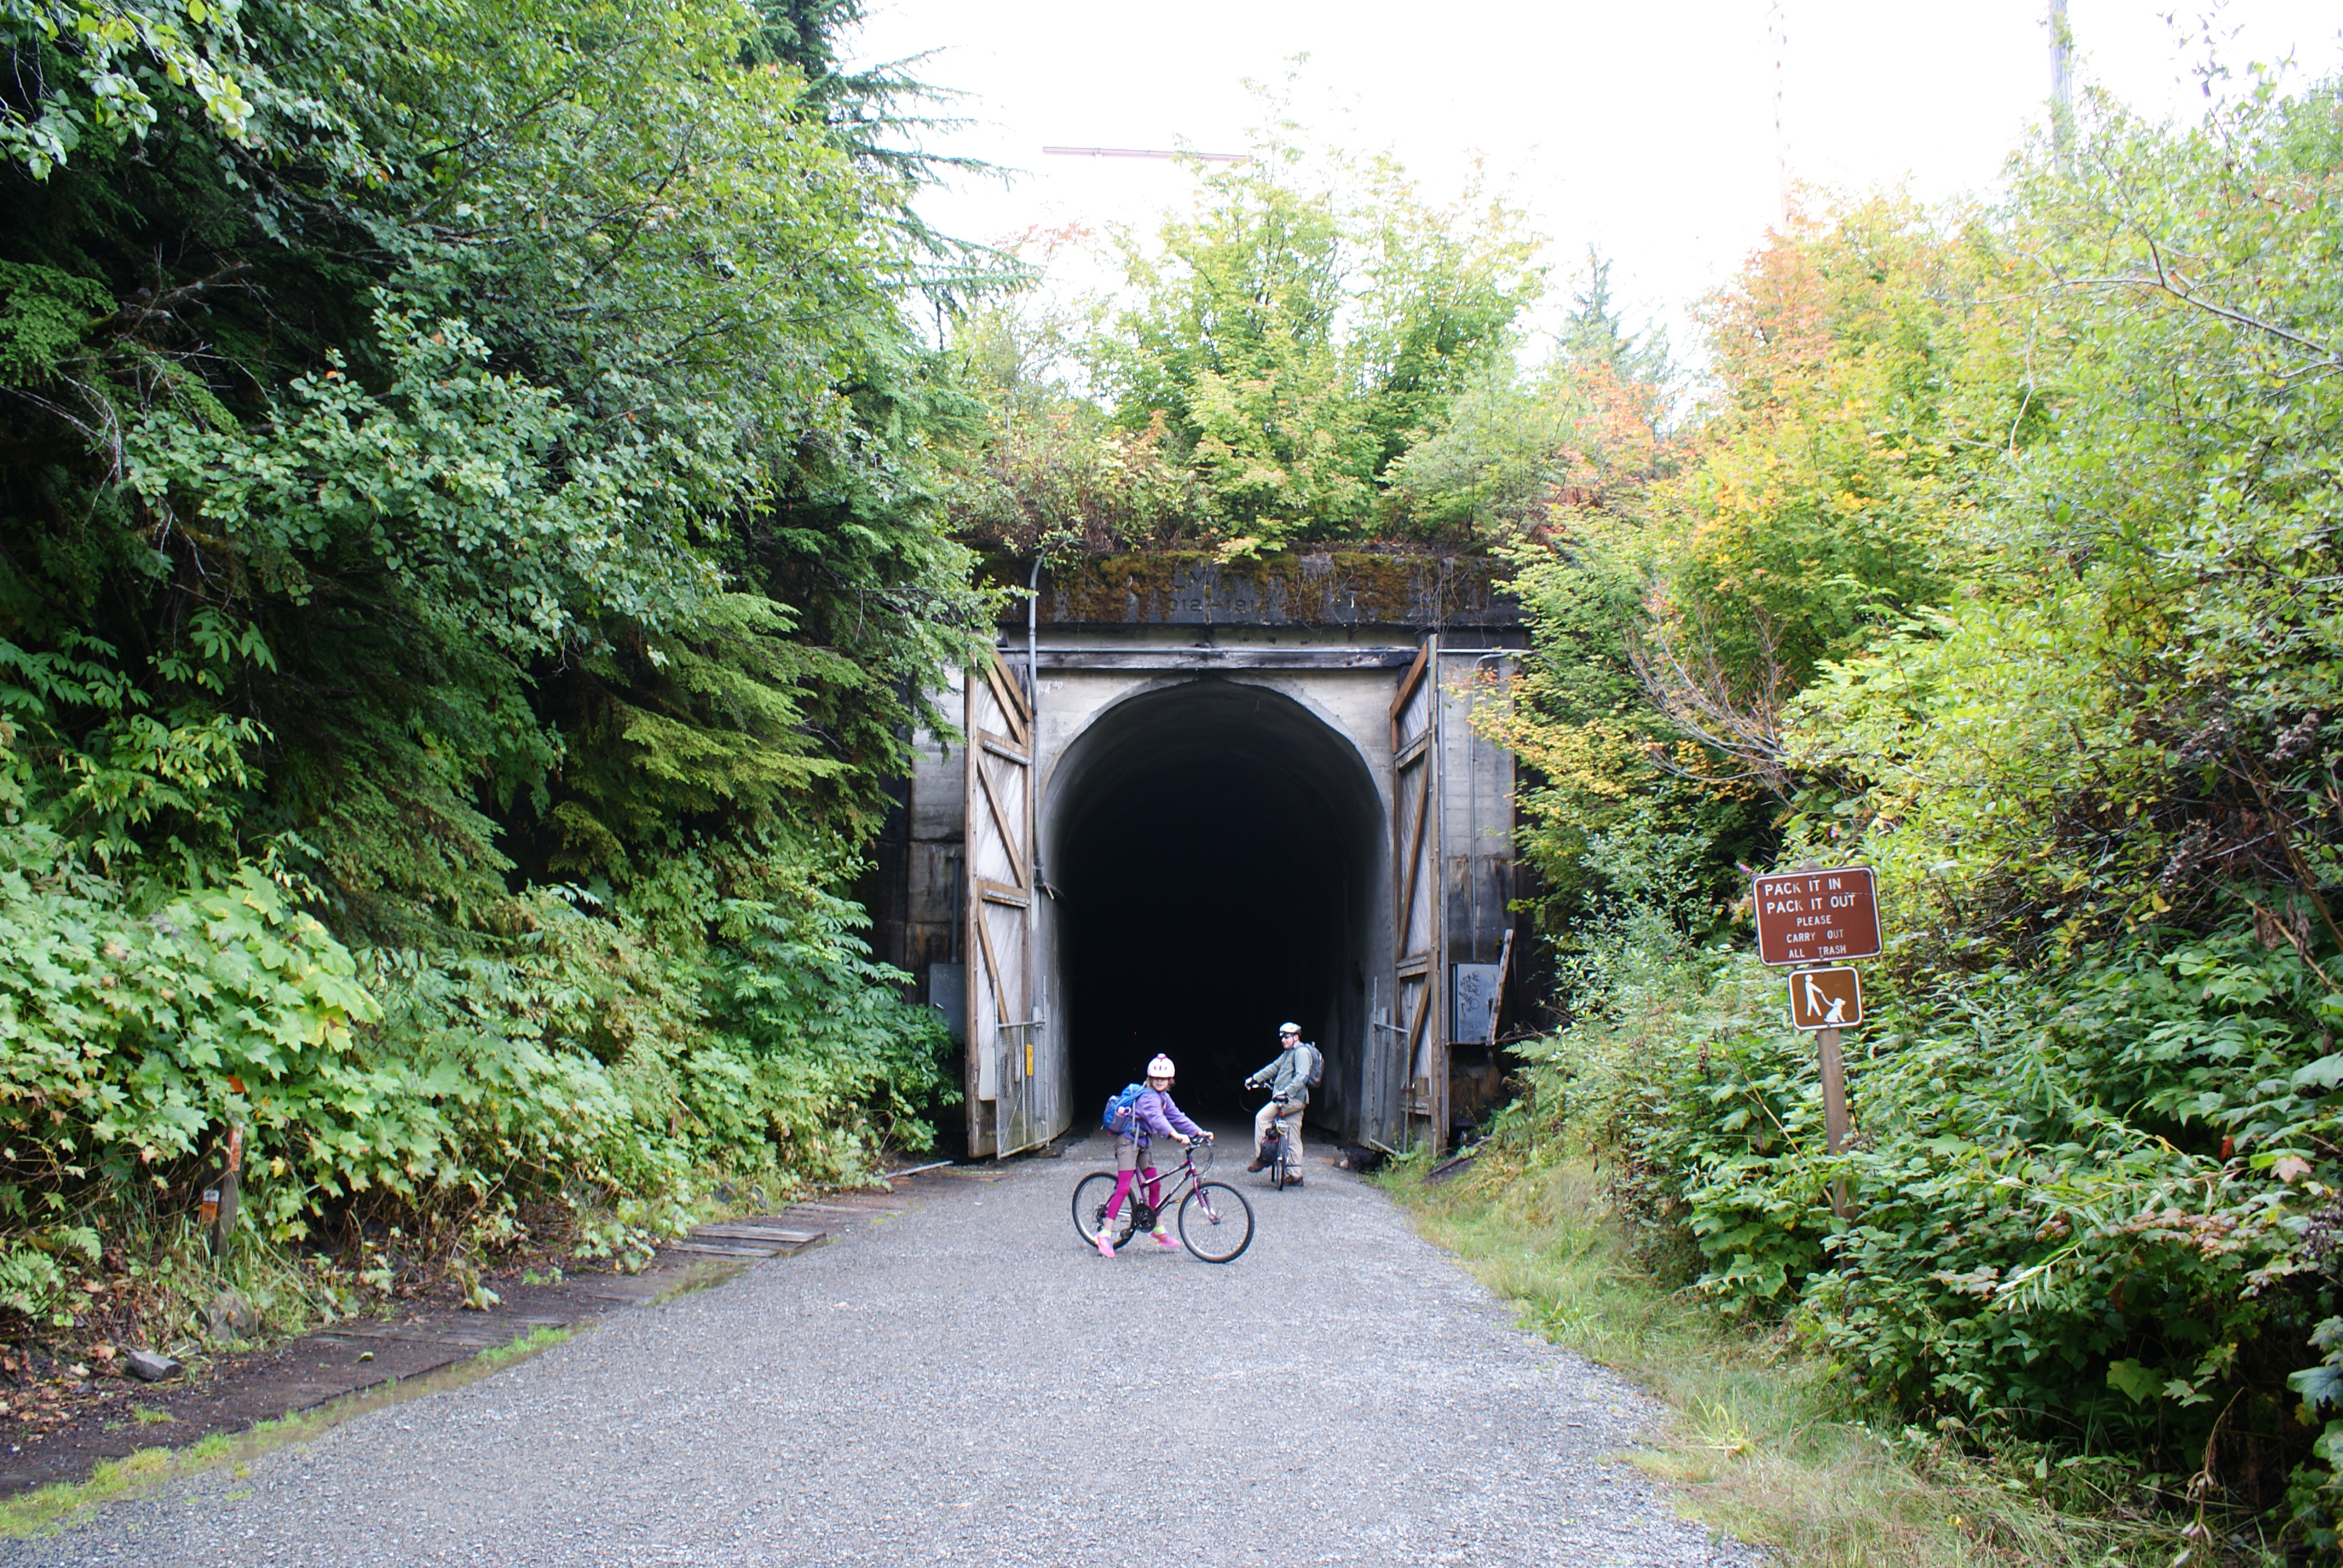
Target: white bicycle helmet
1162	1068
1289	1028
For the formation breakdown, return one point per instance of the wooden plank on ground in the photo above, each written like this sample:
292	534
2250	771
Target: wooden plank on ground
725	1249
425	1335
773	1233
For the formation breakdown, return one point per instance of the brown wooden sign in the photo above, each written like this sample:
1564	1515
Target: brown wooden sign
1817	917
1826	999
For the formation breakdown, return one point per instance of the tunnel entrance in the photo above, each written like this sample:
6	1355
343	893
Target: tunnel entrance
1214	846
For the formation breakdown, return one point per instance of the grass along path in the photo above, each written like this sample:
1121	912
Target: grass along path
1767	1445
138	1474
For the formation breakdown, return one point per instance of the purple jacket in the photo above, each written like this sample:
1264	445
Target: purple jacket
1153	1113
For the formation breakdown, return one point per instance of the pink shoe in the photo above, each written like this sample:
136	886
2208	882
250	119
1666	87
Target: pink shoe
1106	1241
1164	1240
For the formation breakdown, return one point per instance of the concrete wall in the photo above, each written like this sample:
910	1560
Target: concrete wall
1361	590
1150	622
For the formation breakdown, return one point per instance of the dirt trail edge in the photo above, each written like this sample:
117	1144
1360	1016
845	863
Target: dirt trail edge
966	1383
239	1390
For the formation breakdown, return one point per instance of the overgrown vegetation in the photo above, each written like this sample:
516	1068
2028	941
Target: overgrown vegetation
1272	359
2003	558
478	526
1767	1442
471	552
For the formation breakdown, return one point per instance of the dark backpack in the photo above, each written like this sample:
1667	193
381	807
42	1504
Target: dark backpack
1317	1065
1117	1118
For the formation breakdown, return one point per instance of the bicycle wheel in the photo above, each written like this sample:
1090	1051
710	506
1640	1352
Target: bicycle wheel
1215	1222
1090	1196
1282	1172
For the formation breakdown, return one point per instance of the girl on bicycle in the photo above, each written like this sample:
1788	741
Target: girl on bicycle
1152	1114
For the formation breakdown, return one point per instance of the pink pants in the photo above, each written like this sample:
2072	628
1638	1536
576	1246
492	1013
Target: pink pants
1152	1191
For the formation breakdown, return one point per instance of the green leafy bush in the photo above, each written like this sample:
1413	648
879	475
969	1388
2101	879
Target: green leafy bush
458	615
580	1060
2006	563
2033	1250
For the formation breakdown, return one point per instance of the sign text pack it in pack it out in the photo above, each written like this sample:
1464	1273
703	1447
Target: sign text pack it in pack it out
1817	917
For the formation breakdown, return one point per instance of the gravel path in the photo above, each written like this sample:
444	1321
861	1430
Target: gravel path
965	1383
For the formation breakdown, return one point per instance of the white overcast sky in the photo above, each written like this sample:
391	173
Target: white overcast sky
1648	129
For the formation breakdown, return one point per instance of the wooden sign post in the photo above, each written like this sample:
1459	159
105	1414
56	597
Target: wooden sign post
1804	917
1825	1001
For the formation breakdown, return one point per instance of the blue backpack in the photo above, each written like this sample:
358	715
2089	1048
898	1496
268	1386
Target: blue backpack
1117	1107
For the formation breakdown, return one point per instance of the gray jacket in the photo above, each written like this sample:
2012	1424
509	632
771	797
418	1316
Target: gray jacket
1289	1076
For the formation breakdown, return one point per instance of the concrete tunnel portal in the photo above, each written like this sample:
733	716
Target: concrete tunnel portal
1172	808
1214	850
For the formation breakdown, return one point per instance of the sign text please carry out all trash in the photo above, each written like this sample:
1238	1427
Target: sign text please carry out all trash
1817	917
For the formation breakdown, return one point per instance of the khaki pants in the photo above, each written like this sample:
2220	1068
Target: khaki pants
1290	1116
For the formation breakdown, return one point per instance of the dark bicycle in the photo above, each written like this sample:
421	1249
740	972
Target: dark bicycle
1278	1150
1215	1220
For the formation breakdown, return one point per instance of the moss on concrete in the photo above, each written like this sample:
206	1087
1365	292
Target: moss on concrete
1332	588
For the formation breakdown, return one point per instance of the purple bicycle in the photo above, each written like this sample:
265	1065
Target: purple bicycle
1215	1220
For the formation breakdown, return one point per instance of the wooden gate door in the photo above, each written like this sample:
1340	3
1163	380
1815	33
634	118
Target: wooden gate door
1419	1015
1002	1112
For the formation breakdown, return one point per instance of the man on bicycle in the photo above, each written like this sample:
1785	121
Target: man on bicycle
1288	1080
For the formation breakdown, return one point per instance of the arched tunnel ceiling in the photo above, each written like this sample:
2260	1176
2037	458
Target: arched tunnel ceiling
1214	846
1137	747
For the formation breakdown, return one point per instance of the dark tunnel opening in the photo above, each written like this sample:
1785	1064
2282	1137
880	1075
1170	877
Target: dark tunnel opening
1215	857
